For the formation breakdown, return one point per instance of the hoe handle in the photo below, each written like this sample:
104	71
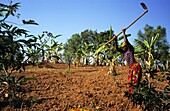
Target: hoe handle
137	19
127	27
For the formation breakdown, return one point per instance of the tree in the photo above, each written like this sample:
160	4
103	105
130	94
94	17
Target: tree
86	49
13	54
71	49
12	47
72	45
161	47
52	50
87	46
108	51
42	44
149	50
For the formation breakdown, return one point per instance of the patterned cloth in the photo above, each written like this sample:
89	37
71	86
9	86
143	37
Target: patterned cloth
129	55
135	71
135	75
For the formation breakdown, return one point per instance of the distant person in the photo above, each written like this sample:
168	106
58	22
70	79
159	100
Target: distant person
135	71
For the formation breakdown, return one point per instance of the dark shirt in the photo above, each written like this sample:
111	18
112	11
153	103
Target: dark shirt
128	54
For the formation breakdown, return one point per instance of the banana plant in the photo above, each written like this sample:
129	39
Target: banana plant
102	49
148	49
33	55
78	56
108	49
86	49
43	41
54	48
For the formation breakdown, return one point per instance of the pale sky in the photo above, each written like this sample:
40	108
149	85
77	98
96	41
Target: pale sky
68	17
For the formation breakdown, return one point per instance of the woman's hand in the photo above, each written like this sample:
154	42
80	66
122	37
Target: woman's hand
124	30
125	37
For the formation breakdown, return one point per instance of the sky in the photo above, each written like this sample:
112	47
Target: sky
68	17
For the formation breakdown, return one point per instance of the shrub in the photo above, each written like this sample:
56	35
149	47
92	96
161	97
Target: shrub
148	97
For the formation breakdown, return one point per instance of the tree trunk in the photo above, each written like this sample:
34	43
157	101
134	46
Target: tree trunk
97	60
43	58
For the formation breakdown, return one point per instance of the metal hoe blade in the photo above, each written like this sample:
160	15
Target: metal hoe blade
144	6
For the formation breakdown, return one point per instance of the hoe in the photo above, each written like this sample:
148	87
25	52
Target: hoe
145	11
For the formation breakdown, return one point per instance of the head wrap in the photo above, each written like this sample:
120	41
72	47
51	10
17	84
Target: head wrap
124	44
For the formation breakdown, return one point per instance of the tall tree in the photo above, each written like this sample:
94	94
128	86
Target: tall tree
14	40
71	47
13	55
42	43
161	46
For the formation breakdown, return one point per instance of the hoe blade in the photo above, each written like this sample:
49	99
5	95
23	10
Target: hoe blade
144	6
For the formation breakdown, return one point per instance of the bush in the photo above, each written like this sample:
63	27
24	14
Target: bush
148	97
13	44
12	89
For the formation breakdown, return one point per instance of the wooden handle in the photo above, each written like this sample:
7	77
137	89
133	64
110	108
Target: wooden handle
127	27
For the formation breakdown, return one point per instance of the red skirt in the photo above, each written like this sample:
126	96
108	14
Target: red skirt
135	75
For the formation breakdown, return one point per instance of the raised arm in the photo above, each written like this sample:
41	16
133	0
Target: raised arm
125	37
116	45
126	40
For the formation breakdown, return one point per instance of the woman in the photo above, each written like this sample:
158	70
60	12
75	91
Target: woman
135	71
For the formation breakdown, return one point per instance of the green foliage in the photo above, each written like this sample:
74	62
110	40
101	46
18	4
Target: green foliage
68	56
43	46
102	48
7	10
29	22
13	40
148	97
13	55
153	44
12	89
71	48
89	45
148	48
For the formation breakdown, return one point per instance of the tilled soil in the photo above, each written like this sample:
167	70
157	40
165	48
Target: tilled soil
88	88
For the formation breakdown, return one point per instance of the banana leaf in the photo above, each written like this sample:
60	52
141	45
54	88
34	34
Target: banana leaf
99	49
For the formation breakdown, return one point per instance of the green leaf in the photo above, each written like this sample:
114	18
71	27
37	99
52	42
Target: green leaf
122	37
16	5
54	45
146	44
30	22
84	52
1	14
47	46
13	30
154	39
24	79
31	40
138	49
21	79
22	40
117	57
111	32
3	9
14	80
57	36
3	5
21	31
99	49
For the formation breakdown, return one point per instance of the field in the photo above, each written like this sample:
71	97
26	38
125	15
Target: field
86	88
